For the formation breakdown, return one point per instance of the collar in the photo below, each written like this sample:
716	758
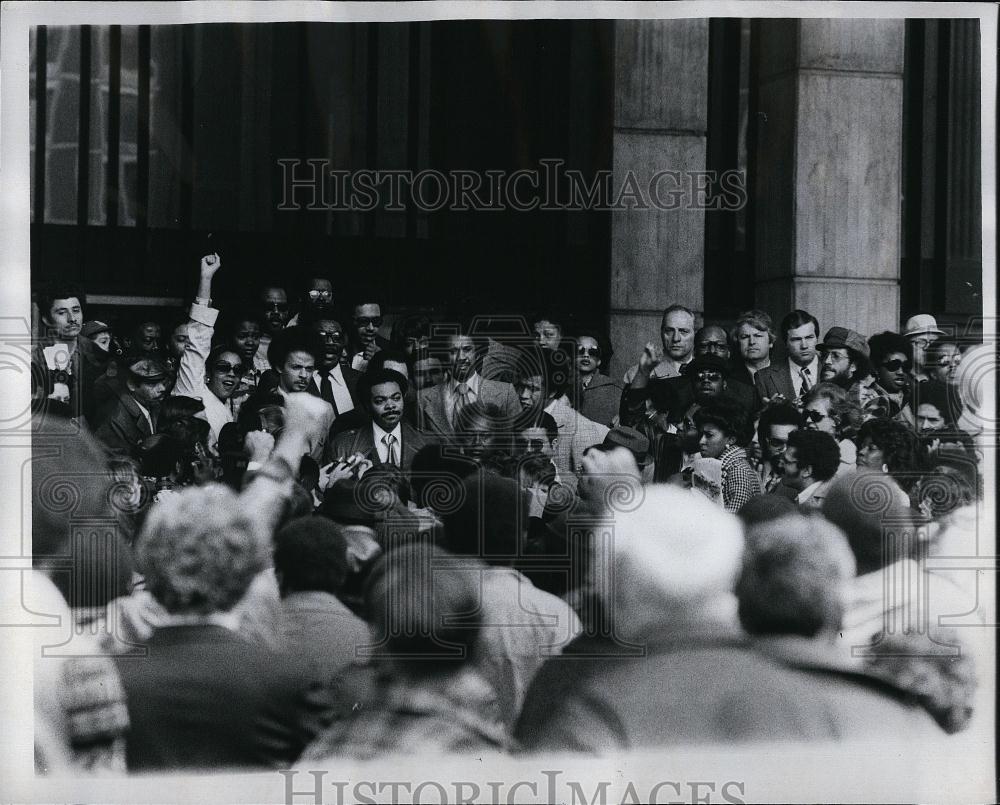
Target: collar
813	368
336	374
808	492
380	434
473	382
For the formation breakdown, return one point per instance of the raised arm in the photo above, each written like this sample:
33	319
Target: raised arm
201	328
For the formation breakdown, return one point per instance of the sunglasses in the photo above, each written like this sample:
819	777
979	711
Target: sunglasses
709	375
336	335
364	321
897	364
593	352
321	294
224	368
813	416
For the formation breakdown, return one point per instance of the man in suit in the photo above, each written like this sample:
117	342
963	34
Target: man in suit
387	438
752	337
275	312
797	374
365	337
438	405
133	416
331	380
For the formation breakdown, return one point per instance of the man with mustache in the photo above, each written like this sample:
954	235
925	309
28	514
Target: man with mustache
388	438
275	313
438	405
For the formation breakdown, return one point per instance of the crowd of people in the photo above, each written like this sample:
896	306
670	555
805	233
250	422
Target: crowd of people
344	535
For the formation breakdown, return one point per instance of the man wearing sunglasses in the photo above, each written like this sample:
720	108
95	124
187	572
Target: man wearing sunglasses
843	357
317	294
274	314
365	340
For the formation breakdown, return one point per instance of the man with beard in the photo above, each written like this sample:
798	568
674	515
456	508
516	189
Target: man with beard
843	357
387	439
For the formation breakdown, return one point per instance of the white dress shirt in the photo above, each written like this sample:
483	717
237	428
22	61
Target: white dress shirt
383	449
795	370
341	394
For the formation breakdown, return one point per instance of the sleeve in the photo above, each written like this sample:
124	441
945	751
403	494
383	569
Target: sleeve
191	372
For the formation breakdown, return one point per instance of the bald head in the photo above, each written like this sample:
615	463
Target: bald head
711	340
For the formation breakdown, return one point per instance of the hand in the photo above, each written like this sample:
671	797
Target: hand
370	351
258	445
601	470
210	263
332	473
650	358
305	415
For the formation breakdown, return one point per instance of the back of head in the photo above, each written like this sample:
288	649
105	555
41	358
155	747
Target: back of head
70	486
310	553
818	450
490	520
436	476
793	574
676	549
763	508
866	506
413	597
199	551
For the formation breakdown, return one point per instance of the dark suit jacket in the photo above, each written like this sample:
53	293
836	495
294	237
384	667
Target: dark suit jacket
775	379
87	363
362	440
674	396
432	406
206	697
123	430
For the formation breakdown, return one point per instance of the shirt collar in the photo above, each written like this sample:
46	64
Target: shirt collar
813	368
381	434
808	492
336	374
472	381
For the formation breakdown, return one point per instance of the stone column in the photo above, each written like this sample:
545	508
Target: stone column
829	159
661	109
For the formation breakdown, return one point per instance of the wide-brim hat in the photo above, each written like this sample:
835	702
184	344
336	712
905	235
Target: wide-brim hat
922	324
716	362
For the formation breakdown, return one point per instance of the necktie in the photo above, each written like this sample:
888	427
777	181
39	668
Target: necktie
461	400
326	390
804	373
390	442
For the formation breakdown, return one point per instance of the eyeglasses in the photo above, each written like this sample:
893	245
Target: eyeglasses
593	352
224	368
813	416
365	321
708	374
333	335
321	294
896	364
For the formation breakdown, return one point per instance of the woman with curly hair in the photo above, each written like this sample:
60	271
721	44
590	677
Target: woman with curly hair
827	408
890	448
725	430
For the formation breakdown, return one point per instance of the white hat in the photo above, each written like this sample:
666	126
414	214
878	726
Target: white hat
922	324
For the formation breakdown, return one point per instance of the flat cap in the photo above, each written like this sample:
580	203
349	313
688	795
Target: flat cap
841	337
148	370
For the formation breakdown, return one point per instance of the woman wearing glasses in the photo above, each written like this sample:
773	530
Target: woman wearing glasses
888	392
826	408
211	375
598	396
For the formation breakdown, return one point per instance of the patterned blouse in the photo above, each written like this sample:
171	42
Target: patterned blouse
739	481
